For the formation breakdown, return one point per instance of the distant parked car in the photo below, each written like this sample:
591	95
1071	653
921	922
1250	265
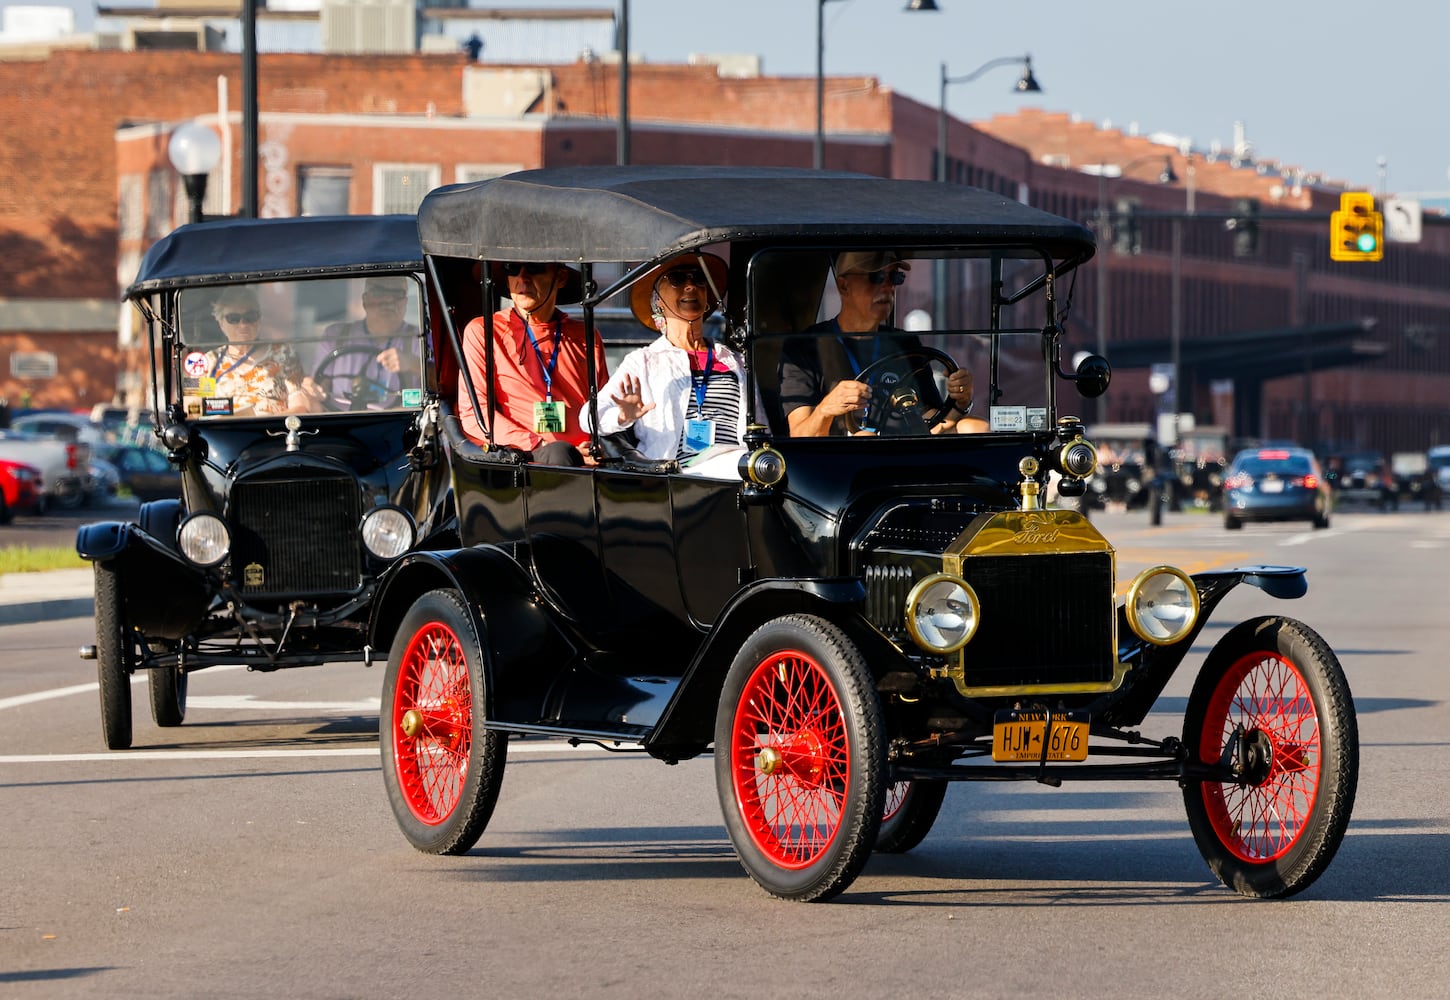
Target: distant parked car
1275	484
144	472
63	464
20	490
1439	459
1359	477
65	426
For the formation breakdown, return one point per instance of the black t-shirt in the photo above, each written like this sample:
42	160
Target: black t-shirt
810	366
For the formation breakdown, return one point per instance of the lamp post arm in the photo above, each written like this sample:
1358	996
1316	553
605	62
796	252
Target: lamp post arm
990	64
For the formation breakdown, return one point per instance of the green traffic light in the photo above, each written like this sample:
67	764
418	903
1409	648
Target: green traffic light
1365	243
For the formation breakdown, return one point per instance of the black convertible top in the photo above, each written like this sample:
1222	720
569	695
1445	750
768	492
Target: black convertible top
625	214
240	250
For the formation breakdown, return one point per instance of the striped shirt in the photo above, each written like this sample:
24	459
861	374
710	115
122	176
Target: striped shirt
722	404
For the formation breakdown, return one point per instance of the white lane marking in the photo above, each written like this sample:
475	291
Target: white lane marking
121	756
225	702
35	696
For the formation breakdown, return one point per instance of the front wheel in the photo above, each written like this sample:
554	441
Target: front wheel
1271	702
441	766
911	808
800	758
114	648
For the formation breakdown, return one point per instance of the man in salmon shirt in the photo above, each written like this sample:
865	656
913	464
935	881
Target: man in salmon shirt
542	375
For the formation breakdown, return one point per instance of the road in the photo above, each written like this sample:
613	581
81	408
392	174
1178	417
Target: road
251	853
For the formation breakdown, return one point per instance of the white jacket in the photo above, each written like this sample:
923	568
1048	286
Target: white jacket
663	371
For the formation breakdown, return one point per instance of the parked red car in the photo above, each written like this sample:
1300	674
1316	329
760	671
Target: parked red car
20	490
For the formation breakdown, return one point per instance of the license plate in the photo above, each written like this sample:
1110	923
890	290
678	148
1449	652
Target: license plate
1272	486
1017	735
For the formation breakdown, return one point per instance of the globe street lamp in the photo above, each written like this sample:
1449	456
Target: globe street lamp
194	150
819	157
1026	84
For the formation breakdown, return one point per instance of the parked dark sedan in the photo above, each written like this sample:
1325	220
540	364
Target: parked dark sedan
143	471
1275	484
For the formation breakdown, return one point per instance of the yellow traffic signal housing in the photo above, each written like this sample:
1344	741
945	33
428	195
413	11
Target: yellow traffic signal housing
1356	231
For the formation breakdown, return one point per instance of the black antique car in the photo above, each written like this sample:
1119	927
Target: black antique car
290	509
847	622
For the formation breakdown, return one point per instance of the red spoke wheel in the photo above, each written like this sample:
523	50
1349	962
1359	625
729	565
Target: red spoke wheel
911	808
1272	703
441	766
800	758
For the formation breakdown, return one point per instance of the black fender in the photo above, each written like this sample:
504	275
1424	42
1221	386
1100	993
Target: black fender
164	595
1153	665
687	726
522	649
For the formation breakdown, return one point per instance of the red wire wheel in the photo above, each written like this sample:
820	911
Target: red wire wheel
1272	704
800	758
441	765
911	809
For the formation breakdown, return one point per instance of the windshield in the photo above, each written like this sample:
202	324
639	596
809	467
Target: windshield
336	344
901	343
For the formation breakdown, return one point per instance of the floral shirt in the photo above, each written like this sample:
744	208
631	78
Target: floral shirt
255	383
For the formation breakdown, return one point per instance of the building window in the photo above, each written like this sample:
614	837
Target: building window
131	207
323	190
158	203
400	187
467	173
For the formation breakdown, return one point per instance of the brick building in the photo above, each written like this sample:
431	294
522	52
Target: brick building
83	138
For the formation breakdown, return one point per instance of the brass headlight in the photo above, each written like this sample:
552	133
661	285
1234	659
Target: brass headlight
1162	605
942	613
204	539
763	467
1078	459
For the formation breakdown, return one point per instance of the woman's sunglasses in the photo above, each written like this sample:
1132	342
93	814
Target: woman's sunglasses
883	277
514	268
251	316
682	276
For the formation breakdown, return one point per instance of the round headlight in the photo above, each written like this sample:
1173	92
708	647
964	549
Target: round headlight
942	613
1162	605
204	539
763	467
387	532
1078	459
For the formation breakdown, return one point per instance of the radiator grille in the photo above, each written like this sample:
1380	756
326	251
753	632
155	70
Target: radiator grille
1046	619
296	537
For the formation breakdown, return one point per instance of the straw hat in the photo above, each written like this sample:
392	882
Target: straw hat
716	270
866	261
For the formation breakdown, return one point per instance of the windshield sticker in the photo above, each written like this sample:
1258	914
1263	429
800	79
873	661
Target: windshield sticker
213	406
1009	418
412	397
195	364
1037	418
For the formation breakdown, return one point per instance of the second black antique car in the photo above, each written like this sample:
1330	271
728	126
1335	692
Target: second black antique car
848	622
288	364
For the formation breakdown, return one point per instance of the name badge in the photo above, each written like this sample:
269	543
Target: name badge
548	418
699	434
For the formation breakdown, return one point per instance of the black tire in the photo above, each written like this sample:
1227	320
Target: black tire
114	648
1273	694
1320	520
168	696
800	758
1232	523
1156	500
441	766
6	514
911	808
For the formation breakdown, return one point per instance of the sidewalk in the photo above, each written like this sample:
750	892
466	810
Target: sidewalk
36	597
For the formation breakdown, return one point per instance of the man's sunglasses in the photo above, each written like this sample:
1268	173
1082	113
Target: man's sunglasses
514	268
883	277
250	316
682	276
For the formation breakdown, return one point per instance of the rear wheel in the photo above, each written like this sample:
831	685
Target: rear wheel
442	768
800	758
911	808
1272	702
114	656
1232	523
168	696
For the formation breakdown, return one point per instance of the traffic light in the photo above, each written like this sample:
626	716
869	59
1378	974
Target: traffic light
1356	231
1245	227
1127	230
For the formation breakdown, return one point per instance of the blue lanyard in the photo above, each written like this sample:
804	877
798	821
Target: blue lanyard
702	381
232	367
855	364
546	369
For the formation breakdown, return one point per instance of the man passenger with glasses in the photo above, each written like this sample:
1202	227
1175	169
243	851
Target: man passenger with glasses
540	368
819	390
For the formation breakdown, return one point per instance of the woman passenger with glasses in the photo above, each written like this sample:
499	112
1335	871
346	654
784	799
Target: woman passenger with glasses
248	377
681	397
818	384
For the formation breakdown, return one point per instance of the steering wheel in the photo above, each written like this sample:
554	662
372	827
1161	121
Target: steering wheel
355	386
901	398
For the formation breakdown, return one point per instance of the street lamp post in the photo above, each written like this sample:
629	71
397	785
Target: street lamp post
819	156
1026	84
194	150
1104	235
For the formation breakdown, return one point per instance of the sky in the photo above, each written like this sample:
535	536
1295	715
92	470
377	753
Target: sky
1331	86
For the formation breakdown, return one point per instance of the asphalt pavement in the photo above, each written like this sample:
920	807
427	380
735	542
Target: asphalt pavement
36	597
